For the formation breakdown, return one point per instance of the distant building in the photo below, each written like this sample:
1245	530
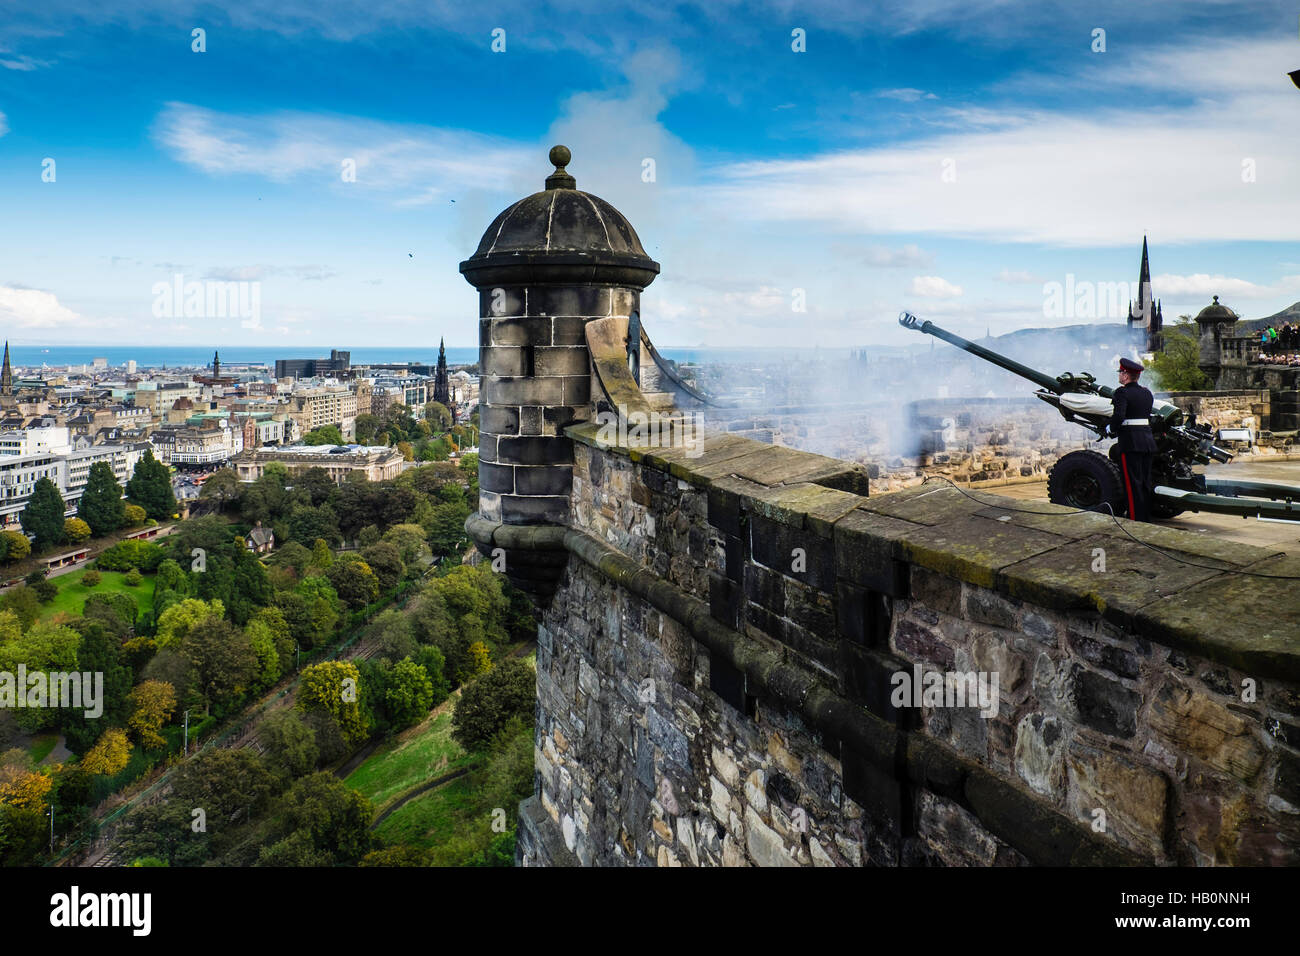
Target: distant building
441	391
376	462
68	470
211	443
337	364
260	540
1145	318
312	408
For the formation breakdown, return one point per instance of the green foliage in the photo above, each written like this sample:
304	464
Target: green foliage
125	555
134	515
175	624
289	742
335	687
325	435
1175	368
16	545
437	415
409	694
133	578
45	590
150	487
324	821
23	603
101	506
222	487
487	704
221	659
75	530
114	606
91	578
43	516
354	581
385	560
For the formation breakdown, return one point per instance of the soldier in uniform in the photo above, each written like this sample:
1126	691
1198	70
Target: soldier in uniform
1131	425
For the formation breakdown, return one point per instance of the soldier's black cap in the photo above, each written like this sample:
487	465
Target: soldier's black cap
1128	365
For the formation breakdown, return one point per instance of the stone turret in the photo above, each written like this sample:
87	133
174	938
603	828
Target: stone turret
1215	321
546	266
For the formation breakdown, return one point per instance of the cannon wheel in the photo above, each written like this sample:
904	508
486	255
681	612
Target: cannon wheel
1163	509
1087	480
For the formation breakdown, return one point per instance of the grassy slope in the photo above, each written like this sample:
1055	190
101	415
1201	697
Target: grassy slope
428	819
72	593
414	757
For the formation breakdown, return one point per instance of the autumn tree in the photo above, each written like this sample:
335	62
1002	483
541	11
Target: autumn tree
152	704
110	753
335	686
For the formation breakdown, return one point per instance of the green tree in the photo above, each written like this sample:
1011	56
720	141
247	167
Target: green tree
101	506
335	818
437	415
221	659
134	515
16	545
75	530
335	687
43	516
150	487
409	694
487	704
222	487
1175	367
354	581
290	743
324	435
367	428
178	620
386	562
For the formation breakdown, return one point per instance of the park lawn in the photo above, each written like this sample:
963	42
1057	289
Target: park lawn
42	746
72	593
413	757
430	818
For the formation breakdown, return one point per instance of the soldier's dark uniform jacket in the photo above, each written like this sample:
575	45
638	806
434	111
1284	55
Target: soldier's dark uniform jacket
1131	426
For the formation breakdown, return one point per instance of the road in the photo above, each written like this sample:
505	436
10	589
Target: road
1274	534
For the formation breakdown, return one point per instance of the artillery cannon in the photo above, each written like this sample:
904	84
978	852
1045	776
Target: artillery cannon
1090	480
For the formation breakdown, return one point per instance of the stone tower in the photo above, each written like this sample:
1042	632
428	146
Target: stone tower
6	376
1215	321
441	390
546	266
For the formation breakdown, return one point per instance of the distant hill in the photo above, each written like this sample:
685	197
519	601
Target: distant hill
1290	314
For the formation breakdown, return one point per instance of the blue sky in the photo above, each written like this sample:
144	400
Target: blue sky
949	158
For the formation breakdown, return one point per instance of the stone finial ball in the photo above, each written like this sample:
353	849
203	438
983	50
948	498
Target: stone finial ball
560	156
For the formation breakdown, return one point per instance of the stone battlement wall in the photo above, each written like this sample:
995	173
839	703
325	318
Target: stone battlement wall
717	675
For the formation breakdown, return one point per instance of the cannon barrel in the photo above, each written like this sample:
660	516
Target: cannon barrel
1058	386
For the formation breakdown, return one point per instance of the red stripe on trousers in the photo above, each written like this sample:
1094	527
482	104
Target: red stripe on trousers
1128	485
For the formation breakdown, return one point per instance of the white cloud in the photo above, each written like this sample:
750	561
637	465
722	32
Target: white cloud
1201	284
1018	277
909	256
34	309
907	94
389	157
1069	178
933	287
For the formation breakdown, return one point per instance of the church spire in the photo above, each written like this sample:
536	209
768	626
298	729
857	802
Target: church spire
6	375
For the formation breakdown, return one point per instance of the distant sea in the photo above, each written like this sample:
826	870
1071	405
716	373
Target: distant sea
195	356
